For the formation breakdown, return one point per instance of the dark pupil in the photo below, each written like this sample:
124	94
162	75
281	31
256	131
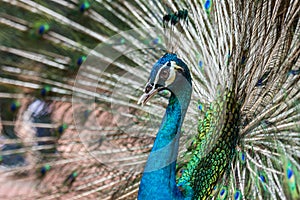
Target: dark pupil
164	74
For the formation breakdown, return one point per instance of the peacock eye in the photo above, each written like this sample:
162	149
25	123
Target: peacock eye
164	74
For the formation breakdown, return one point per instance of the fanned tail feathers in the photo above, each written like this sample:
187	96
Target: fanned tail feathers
69	120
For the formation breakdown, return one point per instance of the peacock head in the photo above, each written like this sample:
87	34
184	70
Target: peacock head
168	73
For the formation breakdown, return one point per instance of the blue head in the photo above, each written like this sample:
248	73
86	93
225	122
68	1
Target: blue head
168	73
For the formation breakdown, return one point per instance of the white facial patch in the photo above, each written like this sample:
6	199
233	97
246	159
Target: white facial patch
158	74
172	73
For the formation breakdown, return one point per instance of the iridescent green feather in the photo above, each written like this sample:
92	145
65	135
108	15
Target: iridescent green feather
211	154
291	179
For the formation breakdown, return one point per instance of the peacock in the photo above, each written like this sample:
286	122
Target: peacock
159	99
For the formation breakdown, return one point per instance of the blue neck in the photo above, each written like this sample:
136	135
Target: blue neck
159	178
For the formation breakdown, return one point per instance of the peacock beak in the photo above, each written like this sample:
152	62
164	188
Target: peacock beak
149	92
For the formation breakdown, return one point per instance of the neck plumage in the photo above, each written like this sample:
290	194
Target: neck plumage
159	178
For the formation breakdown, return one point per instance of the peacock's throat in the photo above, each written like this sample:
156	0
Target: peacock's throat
159	178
